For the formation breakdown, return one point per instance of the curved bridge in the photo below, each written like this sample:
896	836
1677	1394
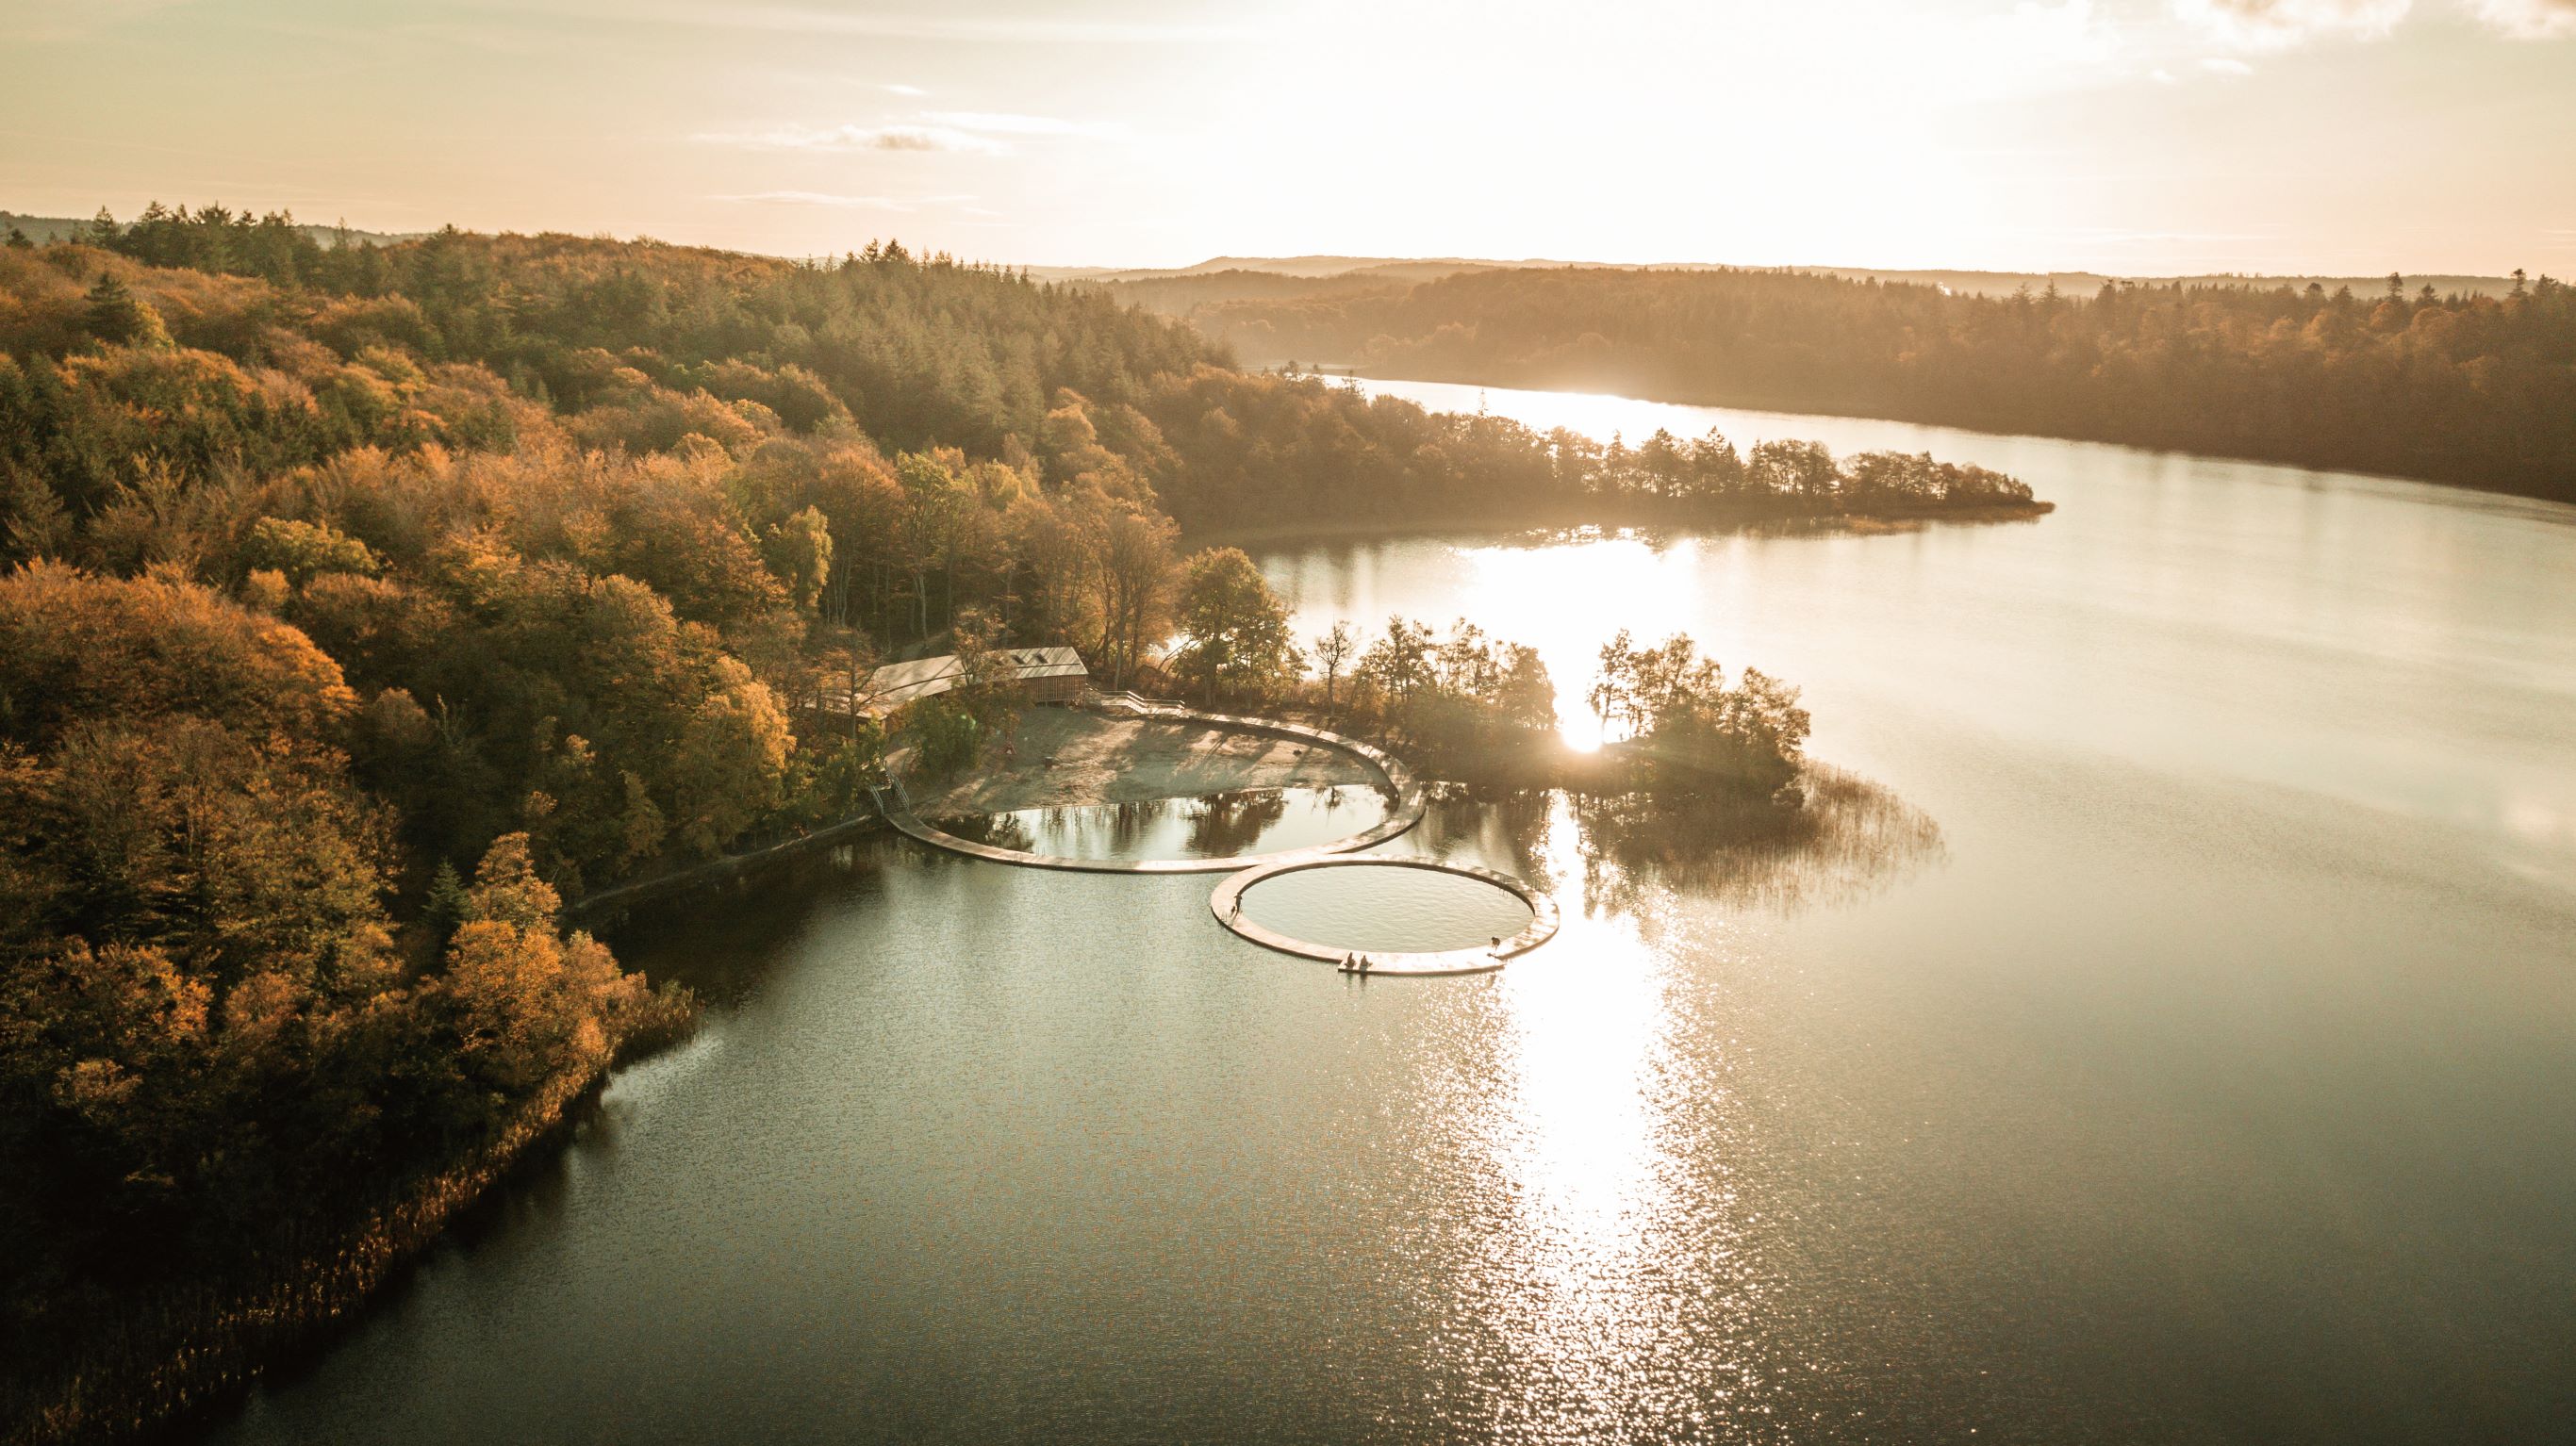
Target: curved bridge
1396	781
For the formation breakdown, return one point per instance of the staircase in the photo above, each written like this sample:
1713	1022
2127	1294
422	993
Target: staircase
1135	703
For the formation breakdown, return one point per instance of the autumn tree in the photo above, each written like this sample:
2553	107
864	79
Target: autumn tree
1333	650
1235	636
800	555
299	550
1131	568
1688	733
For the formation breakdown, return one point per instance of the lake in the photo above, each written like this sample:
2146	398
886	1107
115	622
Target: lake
2183	1051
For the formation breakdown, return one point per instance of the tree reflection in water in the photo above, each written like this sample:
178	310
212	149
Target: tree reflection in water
1131	826
1001	830
1226	824
1508	829
1852	838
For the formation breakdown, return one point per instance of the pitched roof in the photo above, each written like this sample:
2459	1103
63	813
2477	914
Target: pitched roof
896	684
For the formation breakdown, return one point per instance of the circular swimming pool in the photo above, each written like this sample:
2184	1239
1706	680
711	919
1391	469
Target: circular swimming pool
1397	915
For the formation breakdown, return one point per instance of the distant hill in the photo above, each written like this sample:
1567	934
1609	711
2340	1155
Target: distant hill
2085	283
1182	293
44	230
1232	278
2469	383
1407	268
1178	290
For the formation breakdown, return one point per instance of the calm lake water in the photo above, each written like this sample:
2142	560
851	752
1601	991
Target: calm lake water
2208	1078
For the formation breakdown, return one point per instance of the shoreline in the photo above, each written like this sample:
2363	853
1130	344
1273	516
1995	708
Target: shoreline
241	1332
1755	521
724	868
231	1334
1345	371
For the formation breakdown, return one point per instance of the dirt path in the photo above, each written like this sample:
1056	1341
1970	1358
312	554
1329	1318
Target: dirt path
1099	759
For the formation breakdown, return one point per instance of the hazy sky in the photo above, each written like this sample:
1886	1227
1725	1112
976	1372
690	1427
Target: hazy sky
2148	136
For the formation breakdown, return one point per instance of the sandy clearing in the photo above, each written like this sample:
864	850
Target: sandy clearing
1101	759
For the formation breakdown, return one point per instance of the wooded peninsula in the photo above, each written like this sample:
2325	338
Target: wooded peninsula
365	605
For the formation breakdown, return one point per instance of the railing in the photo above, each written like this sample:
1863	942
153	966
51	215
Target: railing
1134	702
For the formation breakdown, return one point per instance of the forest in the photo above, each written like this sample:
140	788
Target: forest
362	606
2478	390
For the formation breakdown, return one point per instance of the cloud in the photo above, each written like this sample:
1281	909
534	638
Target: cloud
2071	33
40	22
2527	19
2224	65
844	203
2271	25
922	138
789	19
980	132
490	39
860	138
2274	25
1003	124
905	89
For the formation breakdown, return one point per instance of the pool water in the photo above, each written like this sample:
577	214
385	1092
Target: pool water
1213	826
1386	909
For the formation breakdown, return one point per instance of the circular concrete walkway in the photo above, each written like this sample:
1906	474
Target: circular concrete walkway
1227	904
1395	780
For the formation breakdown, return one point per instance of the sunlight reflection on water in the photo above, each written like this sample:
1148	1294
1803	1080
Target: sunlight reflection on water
1604	1283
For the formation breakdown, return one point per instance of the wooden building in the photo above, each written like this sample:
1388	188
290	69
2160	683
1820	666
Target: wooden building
1051	675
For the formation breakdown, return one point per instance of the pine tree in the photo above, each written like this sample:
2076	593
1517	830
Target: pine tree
120	318
445	907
